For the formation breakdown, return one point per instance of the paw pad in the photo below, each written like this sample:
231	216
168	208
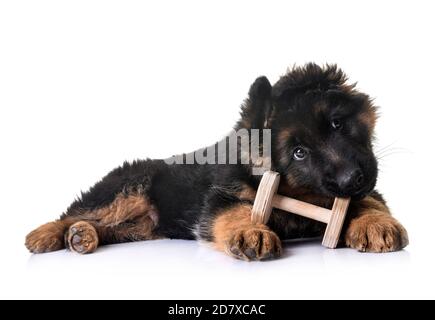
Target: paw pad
82	238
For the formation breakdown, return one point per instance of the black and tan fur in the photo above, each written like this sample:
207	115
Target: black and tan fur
322	130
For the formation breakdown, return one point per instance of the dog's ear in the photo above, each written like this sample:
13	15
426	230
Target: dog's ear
257	109
261	89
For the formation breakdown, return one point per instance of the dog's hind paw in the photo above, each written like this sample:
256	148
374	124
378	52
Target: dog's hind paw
46	238
82	237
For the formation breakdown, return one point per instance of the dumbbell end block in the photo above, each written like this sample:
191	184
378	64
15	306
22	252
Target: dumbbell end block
335	224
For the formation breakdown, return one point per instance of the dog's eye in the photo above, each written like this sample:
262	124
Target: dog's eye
299	154
336	124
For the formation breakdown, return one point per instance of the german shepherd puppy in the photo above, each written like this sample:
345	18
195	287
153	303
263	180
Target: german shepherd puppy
321	132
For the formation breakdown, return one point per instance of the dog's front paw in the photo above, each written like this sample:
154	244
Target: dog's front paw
376	232
254	243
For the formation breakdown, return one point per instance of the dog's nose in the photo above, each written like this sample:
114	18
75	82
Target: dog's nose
350	181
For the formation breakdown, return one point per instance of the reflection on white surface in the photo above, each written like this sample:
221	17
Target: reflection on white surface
161	254
187	269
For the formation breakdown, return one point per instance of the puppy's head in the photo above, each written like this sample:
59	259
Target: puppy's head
321	130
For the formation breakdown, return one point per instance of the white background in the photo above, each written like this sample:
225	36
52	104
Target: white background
85	85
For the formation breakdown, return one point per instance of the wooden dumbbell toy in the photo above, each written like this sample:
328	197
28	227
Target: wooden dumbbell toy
266	199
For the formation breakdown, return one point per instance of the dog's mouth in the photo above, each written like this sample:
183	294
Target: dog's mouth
368	188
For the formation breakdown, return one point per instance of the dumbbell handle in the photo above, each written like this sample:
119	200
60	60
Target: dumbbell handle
302	208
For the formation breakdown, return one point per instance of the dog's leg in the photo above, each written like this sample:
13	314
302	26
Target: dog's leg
234	233
373	229
85	236
129	217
